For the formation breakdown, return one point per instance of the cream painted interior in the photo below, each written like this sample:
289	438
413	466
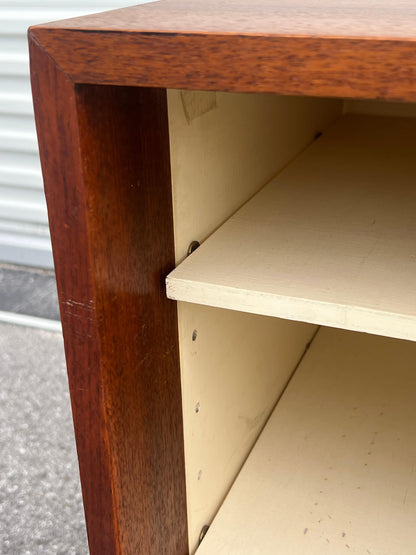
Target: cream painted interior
379	108
224	148
234	365
333	472
330	240
223	156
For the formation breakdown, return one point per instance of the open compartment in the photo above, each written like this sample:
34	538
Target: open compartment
305	213
330	240
334	469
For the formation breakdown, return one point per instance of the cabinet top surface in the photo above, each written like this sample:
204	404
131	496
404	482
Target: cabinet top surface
347	48
325	18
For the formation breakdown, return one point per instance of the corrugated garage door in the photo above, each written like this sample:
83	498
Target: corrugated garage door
24	236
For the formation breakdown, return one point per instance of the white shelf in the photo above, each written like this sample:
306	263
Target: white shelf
331	240
334	469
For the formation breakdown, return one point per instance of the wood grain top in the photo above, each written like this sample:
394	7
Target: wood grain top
325	18
346	49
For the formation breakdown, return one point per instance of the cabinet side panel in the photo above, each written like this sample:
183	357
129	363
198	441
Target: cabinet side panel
105	159
234	367
56	122
125	145
224	148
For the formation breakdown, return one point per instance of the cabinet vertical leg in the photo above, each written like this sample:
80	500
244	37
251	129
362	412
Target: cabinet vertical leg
105	159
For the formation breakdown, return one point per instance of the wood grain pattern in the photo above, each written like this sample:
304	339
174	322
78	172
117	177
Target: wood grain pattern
353	68
105	158
326	18
273	47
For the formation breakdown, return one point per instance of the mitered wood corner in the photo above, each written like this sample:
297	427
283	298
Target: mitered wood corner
321	49
105	160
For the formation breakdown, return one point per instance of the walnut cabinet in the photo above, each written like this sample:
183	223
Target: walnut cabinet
263	385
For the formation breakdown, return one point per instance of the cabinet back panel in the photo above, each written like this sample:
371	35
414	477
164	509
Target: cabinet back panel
380	108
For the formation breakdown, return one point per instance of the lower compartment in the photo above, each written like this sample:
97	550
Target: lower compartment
334	469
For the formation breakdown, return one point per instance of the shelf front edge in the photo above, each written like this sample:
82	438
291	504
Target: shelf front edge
346	317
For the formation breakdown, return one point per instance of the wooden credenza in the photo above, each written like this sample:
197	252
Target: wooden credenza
274	401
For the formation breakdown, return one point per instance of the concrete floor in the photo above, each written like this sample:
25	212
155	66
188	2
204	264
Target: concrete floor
29	291
40	498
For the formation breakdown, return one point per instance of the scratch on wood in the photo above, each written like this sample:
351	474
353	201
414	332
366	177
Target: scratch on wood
79	310
89	305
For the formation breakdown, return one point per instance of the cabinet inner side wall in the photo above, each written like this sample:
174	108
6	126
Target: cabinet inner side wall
224	148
